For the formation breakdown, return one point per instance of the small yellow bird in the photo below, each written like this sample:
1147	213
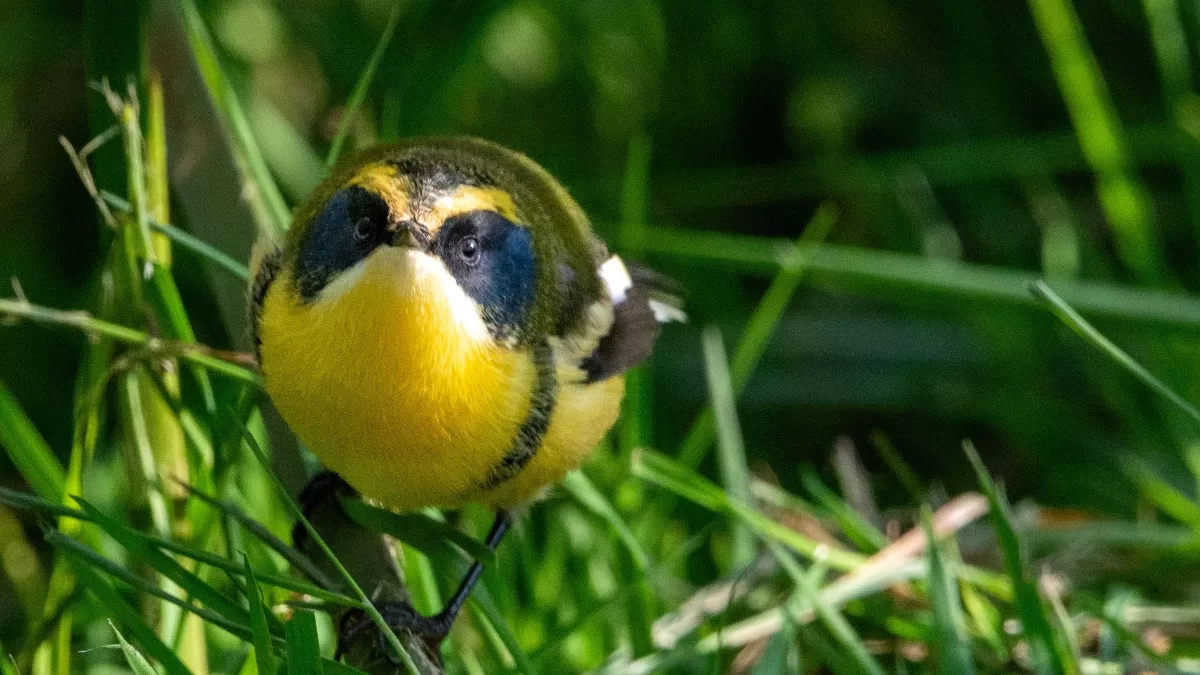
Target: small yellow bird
443	327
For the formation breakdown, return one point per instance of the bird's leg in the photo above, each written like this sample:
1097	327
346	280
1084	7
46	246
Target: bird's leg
320	489
432	629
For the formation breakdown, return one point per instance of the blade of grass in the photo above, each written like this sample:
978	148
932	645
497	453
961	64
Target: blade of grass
834	622
303	648
198	246
295	558
165	565
134	413
488	613
857	529
1163	495
416	529
190	352
758	331
131	134
1170	40
27	449
776	658
85	556
590	497
636	424
954	652
1095	338
1100	136
673	476
294	163
640	605
1035	624
360	87
906	278
731	451
137	663
116	607
270	210
636	421
368	607
947	164
895	462
264	652
24	501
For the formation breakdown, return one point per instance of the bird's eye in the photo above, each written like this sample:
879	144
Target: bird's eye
468	248
363	229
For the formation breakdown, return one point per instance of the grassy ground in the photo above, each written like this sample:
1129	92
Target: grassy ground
913	235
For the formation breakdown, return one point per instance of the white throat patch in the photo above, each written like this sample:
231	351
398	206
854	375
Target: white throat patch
412	273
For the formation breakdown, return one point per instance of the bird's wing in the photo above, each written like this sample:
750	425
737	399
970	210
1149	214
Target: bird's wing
641	300
265	263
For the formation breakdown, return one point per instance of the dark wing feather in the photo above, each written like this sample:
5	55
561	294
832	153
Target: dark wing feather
635	326
267	269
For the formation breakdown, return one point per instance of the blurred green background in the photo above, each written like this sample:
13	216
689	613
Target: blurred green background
940	129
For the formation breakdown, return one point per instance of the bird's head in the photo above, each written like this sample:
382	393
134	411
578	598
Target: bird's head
465	225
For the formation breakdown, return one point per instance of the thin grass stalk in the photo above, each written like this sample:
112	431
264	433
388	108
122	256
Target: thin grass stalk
1121	194
350	112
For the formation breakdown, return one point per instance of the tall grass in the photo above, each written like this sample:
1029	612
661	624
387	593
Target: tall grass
166	525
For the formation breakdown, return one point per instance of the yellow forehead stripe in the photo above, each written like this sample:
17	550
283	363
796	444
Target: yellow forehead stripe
467	198
386	181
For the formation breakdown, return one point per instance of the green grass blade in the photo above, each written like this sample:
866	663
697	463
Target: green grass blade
731	450
488	613
201	248
953	651
270	210
367	606
837	625
82	554
759	327
776	658
129	618
264	652
417	530
1095	338
190	352
673	476
590	497
21	500
165	565
28	450
1100	136
1035	623
295	558
1163	495
361	87
332	667
895	462
137	663
907	278
858	529
277	580
24	501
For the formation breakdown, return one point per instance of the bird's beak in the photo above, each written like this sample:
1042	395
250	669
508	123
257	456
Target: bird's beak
408	235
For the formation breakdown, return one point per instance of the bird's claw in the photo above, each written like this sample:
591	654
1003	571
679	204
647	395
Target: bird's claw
400	617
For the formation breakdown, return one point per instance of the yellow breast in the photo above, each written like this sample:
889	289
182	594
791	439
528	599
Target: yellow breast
391	379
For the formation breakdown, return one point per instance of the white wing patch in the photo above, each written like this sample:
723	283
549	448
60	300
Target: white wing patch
616	279
665	312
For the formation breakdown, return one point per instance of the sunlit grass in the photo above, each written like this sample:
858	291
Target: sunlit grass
668	559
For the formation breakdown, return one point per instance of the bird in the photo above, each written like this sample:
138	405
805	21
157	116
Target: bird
441	326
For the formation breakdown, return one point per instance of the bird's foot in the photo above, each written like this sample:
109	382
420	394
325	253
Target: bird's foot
323	487
400	617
